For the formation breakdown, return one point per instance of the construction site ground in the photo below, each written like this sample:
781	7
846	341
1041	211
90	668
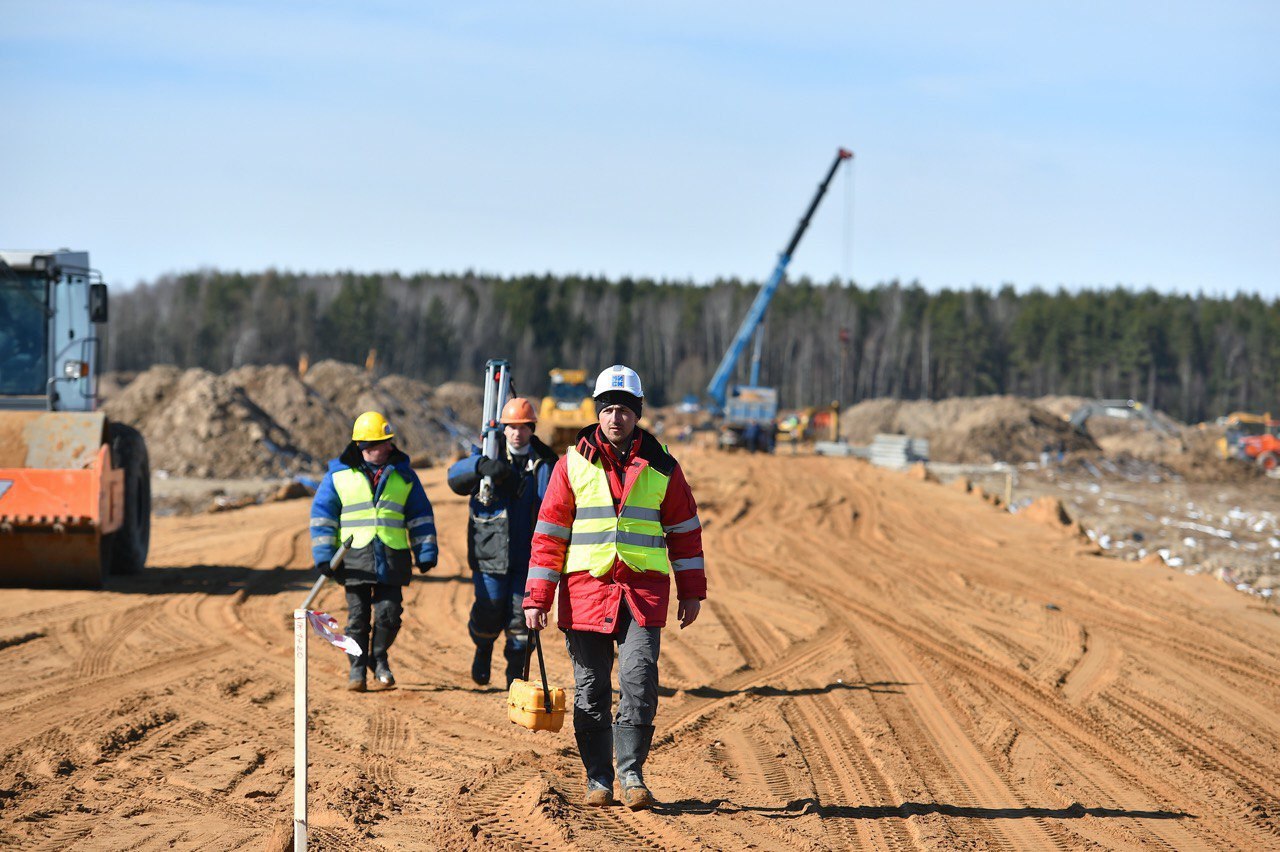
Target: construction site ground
884	662
1229	530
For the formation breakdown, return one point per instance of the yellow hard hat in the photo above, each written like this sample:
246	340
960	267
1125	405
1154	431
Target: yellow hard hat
372	426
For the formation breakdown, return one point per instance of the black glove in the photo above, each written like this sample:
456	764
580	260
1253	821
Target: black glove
324	570
424	567
496	469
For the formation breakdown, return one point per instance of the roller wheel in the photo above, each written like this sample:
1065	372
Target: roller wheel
129	544
1268	460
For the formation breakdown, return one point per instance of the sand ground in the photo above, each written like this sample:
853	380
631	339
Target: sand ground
883	663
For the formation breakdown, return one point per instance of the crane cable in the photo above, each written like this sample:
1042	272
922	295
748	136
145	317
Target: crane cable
847	247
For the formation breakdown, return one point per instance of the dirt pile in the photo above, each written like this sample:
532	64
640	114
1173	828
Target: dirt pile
269	421
1202	461
1048	511
980	430
974	430
1190	452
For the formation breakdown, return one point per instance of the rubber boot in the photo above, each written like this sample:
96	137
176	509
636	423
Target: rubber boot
356	679
596	750
481	662
632	747
382	676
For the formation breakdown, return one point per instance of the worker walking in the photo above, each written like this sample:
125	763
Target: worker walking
372	496
618	520
499	534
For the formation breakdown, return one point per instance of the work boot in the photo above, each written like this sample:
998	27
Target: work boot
596	750
480	663
356	679
597	796
382	676
632	747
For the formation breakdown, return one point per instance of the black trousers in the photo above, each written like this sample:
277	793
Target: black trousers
377	606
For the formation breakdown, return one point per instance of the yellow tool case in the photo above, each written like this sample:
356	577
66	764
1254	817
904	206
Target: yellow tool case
527	707
533	706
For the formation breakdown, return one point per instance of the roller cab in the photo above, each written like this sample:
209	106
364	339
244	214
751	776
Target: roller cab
75	488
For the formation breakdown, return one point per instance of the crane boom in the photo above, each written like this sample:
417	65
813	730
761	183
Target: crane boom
718	388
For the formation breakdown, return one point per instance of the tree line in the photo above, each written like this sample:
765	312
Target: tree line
1195	357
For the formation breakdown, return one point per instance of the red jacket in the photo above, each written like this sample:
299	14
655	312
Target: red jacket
591	603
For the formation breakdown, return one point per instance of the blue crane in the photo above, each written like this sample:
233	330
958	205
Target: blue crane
719	386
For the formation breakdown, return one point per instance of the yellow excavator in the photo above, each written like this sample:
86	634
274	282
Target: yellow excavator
810	424
75	488
566	409
1251	437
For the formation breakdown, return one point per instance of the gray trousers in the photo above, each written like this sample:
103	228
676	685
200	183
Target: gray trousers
592	657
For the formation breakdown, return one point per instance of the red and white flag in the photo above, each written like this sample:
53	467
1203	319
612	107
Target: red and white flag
326	627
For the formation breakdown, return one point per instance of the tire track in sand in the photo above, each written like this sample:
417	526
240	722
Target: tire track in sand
1183	737
389	739
100	650
842	776
1059	725
975	767
957	771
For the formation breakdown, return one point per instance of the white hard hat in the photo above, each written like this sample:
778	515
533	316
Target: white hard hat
619	378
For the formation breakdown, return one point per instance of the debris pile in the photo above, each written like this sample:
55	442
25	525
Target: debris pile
269	421
971	430
987	429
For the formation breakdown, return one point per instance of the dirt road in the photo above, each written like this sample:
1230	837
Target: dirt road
884	664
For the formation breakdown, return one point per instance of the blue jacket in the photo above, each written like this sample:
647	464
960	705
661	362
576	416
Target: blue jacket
375	563
499	535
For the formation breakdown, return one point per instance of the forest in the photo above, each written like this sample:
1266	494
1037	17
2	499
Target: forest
1195	357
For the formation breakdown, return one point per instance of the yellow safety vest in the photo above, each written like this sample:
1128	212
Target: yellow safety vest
362	519
600	535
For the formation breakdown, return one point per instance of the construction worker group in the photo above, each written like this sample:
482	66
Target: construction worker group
604	529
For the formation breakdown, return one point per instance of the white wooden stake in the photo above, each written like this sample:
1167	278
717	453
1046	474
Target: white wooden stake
300	730
300	706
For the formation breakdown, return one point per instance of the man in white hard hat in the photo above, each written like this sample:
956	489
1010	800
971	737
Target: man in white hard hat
617	521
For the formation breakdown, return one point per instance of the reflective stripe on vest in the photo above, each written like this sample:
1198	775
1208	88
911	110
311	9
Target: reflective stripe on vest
362	519
600	535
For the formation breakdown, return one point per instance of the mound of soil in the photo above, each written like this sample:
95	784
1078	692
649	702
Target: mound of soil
1049	511
973	430
981	430
1201	460
269	421
1060	406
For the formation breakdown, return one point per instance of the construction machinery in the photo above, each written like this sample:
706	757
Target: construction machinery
75	487
1251	437
567	408
810	424
1121	409
749	411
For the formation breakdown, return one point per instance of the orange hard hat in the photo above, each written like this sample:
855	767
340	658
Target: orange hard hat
519	410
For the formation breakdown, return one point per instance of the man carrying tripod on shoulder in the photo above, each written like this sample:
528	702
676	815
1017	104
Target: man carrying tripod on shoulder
499	534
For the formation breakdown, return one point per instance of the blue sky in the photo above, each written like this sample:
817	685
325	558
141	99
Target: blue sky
1075	144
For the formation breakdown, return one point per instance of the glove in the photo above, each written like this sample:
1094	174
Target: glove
424	567
324	570
496	469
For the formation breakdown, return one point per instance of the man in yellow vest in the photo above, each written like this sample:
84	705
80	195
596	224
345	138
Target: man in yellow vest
372	496
617	523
